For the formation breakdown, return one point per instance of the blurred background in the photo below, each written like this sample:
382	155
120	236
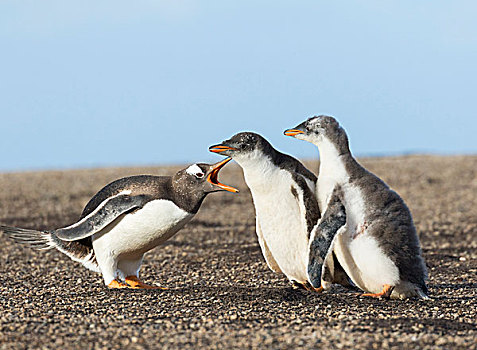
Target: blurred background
125	83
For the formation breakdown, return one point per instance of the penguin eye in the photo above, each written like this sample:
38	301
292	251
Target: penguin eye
199	175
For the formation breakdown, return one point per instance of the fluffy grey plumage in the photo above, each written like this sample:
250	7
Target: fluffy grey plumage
373	210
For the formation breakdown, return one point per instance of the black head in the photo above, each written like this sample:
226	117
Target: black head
201	178
319	128
244	144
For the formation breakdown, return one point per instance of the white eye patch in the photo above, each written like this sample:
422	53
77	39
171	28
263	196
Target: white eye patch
195	170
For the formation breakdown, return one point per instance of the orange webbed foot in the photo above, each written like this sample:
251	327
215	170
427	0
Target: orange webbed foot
385	293
135	283
320	289
115	284
310	288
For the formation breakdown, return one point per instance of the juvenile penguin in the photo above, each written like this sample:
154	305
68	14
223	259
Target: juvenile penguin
283	192
127	218
378	247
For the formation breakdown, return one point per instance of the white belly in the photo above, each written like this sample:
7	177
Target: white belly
135	233
375	268
358	252
282	226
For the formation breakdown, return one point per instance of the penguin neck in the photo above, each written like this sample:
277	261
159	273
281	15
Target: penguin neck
334	161
186	198
256	167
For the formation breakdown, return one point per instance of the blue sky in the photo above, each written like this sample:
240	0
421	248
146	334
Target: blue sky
106	83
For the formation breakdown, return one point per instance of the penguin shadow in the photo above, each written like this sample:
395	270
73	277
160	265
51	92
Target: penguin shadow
279	294
230	293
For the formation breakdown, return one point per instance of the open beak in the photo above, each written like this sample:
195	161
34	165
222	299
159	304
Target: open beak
213	176
292	132
221	148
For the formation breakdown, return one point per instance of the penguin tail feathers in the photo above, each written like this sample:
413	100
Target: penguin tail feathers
32	238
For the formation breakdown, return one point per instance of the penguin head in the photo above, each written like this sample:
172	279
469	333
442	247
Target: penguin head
202	178
318	129
241	146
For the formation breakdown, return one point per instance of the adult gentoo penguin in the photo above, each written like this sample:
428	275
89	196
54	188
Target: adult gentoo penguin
127	218
283	192
378	247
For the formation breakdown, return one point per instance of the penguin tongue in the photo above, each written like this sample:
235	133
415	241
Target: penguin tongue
213	177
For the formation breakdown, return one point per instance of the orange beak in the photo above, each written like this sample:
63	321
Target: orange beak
220	148
293	132
213	177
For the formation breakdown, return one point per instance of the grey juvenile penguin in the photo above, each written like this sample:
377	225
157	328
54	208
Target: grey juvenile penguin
127	218
378	247
287	211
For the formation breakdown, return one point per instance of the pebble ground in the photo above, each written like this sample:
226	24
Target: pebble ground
221	294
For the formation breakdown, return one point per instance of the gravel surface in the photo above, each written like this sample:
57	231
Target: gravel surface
221	293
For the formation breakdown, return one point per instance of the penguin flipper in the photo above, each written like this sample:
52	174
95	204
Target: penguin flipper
323	235
108	211
271	262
